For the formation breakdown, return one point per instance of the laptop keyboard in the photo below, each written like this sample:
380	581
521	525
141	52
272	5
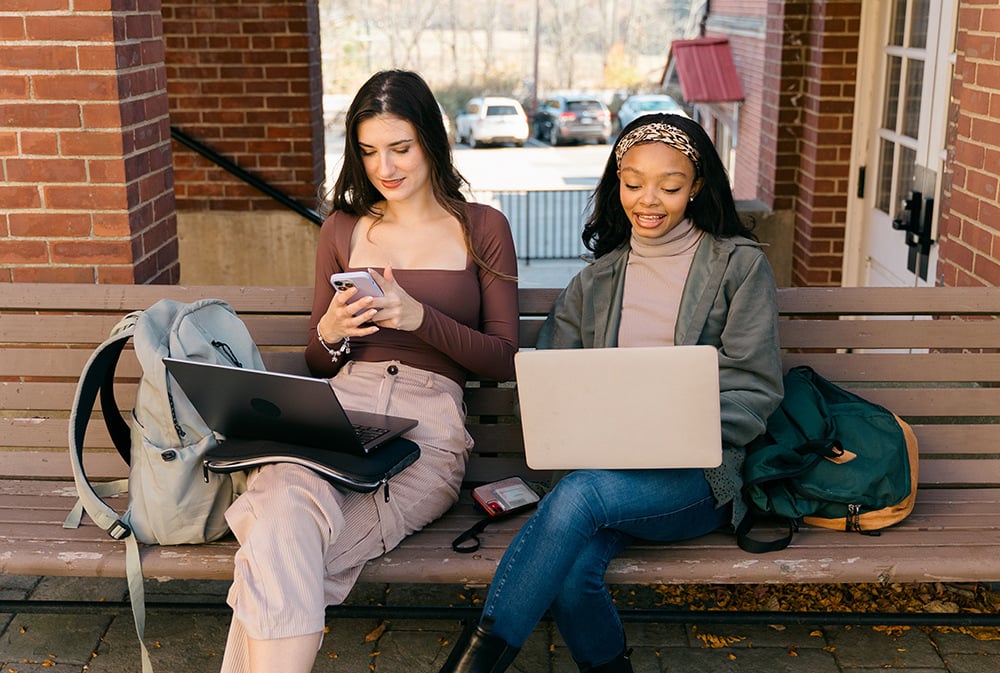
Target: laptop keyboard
366	433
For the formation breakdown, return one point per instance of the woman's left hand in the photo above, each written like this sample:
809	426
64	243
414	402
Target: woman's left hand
396	309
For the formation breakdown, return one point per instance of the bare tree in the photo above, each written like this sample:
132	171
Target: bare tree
460	42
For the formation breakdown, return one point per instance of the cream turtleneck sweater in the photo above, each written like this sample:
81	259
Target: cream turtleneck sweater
654	281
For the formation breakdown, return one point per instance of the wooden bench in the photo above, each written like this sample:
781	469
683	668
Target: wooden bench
940	371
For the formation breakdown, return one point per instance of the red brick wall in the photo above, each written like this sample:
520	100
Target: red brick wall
243	77
774	136
969	230
84	144
786	50
748	56
823	144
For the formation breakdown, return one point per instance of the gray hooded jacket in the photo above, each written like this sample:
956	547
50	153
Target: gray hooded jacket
729	301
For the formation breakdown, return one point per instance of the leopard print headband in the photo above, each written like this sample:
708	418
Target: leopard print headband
661	133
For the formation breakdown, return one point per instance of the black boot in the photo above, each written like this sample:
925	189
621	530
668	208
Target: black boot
479	651
620	664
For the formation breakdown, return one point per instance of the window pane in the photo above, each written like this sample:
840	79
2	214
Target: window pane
905	177
892	77
883	196
919	16
911	102
898	24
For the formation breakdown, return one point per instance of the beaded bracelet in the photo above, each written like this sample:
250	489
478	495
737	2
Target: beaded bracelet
335	355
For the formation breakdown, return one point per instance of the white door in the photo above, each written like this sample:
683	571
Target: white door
906	59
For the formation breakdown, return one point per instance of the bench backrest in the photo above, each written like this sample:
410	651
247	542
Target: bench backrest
940	370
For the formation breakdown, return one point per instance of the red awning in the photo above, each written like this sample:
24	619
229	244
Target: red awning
705	69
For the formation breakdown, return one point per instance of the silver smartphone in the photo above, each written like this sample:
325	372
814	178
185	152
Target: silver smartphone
367	287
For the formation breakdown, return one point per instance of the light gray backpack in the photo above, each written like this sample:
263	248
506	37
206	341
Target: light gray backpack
171	498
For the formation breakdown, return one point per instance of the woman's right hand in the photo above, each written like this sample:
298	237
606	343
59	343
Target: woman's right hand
339	321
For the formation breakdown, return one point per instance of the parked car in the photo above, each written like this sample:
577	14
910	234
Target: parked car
564	119
491	120
641	104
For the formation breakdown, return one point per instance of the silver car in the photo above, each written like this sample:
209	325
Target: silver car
642	104
491	120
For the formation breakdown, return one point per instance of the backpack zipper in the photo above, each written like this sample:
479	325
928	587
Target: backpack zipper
853	517
853	520
227	352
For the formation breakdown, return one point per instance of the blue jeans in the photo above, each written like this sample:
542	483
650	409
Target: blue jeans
558	559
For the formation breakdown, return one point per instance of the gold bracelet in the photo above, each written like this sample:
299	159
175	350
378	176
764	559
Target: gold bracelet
335	355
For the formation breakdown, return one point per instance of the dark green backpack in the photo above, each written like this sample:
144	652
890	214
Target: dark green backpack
829	458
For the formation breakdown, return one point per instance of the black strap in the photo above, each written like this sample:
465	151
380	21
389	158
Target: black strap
98	370
754	546
118	428
813	452
471	537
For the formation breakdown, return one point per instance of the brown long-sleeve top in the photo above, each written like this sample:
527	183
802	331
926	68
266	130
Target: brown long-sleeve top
470	316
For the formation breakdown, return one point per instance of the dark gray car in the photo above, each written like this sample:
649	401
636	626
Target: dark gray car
565	119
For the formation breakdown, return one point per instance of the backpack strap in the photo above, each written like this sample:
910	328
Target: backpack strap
813	452
755	546
98	376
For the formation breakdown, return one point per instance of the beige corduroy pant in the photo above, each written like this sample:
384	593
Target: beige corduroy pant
303	542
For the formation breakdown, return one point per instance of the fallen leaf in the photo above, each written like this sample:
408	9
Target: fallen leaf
375	633
938	606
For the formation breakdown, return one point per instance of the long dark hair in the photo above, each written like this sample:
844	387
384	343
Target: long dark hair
712	210
403	94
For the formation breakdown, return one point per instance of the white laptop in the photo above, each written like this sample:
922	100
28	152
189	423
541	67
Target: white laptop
620	408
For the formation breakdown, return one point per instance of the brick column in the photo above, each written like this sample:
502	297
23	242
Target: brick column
816	105
969	230
85	157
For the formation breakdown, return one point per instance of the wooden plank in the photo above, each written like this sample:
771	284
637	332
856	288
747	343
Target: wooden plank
33	297
900	367
937	512
99	465
808	301
889	301
490	401
966	439
125	298
930	546
815	556
887	334
935	402
959	472
92	330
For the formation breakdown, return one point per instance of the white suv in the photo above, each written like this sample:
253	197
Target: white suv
491	120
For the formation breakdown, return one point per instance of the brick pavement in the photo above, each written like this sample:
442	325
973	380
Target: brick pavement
193	643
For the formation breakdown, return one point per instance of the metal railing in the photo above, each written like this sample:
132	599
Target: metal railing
546	224
246	176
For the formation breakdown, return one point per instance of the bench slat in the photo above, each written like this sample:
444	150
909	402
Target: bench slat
889	301
888	334
911	552
247	299
899	368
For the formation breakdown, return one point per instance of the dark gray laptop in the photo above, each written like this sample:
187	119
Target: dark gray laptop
259	405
